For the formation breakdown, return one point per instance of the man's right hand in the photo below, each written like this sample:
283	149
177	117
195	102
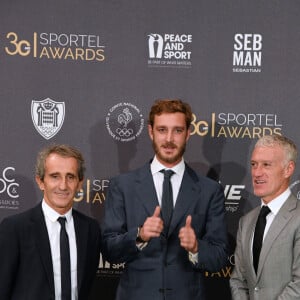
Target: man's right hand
153	226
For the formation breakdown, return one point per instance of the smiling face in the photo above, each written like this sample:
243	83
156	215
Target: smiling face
60	182
169	135
270	172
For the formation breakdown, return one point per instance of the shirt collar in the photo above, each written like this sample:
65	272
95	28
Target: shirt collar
156	166
54	215
277	202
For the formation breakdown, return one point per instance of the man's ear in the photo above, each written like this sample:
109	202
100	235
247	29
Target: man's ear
39	182
289	169
80	184
188	134
150	131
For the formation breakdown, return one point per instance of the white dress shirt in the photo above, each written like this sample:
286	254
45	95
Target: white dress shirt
158	178
274	206
53	228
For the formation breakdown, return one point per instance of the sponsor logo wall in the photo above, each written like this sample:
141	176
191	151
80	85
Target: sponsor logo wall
87	75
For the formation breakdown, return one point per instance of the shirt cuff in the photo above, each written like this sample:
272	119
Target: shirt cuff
193	258
139	242
141	246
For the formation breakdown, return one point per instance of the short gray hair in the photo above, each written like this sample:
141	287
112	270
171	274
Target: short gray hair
61	150
288	146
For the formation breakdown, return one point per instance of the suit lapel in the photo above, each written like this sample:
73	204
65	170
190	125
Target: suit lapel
81	233
188	192
279	222
249	240
42	242
145	189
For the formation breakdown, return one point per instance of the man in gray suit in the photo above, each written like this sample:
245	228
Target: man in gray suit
270	269
165	256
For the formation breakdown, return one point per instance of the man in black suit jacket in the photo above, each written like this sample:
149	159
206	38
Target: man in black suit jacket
165	260
30	266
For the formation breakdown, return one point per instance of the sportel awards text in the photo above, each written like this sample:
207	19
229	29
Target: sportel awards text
76	47
233	125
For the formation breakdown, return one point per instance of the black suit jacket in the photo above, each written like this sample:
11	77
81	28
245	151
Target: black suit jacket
26	271
162	269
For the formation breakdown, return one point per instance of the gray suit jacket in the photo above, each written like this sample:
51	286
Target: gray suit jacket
162	269
278	274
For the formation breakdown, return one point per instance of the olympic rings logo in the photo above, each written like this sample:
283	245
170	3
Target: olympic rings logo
127	132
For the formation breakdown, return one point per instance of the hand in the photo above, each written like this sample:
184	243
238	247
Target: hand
152	227
187	236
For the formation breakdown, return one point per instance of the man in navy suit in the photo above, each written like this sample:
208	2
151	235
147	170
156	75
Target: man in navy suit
165	259
30	257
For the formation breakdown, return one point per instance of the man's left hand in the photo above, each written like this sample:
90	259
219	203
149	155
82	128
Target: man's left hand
187	236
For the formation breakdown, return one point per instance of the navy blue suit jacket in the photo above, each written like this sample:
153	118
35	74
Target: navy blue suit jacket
162	270
25	257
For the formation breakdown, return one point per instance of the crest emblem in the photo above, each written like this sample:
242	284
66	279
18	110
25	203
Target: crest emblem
47	116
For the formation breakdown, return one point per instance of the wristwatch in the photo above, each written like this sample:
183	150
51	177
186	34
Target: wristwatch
138	236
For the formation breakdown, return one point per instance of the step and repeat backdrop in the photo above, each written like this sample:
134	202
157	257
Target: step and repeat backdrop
86	73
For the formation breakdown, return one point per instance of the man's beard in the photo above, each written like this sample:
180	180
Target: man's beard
165	159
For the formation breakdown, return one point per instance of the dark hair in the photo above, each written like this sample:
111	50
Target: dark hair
62	150
170	106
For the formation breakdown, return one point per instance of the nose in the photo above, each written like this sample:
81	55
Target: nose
170	136
63	184
256	171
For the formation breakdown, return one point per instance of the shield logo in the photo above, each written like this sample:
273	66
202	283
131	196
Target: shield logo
47	116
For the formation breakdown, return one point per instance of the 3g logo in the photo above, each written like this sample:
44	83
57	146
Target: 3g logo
199	127
21	47
9	185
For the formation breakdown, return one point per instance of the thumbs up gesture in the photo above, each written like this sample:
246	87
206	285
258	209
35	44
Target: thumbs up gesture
187	236
152	227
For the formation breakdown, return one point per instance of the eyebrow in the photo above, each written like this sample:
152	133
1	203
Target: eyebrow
58	173
261	161
166	126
